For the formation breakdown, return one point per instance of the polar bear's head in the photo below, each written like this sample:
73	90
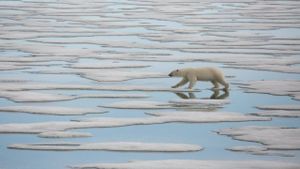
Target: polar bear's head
176	73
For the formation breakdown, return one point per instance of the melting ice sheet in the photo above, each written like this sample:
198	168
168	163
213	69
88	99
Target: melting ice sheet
51	110
159	118
270	137
106	75
279	110
191	164
35	96
69	57
111	146
274	87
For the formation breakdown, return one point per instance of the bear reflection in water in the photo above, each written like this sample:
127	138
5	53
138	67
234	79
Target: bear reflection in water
216	95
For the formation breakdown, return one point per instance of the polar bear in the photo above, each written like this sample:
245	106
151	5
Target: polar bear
193	75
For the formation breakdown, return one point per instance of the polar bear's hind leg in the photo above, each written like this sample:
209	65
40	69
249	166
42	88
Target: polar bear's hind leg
215	83
222	81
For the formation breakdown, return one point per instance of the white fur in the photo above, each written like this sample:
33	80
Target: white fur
192	75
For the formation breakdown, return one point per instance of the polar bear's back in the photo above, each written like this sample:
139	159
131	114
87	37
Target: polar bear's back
205	73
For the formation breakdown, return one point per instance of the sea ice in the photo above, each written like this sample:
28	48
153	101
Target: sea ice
192	164
257	150
32	96
278	113
10	66
110	146
51	110
108	65
106	75
164	117
291	107
274	87
275	68
271	138
206	117
279	110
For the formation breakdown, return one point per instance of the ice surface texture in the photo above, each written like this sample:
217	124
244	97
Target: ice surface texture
110	146
279	110
159	118
51	110
274	87
192	164
271	138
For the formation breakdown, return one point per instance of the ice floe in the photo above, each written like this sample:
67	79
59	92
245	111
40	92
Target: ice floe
192	164
106	75
159	118
108	65
291	107
278	113
110	146
33	96
274	87
275	68
257	150
51	110
279	110
271	138
206	117
10	66
32	60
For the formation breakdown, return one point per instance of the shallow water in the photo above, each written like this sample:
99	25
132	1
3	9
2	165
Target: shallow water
144	33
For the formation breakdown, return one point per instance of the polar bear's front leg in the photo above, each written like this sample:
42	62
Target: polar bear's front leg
192	80
181	83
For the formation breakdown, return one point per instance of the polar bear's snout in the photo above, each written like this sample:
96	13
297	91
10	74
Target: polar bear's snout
174	73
